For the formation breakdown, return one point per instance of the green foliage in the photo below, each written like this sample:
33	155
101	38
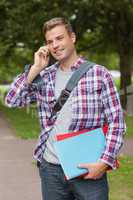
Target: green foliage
14	65
21	24
110	61
104	28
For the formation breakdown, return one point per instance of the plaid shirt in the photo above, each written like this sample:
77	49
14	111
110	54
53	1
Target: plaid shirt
94	101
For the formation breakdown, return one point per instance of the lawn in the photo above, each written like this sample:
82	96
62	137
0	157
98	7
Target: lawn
26	125
129	124
23	121
121	180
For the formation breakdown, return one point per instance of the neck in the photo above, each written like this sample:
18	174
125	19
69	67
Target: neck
66	64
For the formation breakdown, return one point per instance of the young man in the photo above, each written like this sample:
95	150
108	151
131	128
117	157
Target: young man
92	102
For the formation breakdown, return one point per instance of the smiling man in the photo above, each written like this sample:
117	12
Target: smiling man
92	102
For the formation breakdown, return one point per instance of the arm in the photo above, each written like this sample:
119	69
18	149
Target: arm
22	92
114	139
115	119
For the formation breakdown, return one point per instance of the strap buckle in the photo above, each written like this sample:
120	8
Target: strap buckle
65	93
61	100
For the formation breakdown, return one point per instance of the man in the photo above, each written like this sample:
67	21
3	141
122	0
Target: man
92	102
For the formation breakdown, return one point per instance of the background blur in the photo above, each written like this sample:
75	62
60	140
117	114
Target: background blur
104	31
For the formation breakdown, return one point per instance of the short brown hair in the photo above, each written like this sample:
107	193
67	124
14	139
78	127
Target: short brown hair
50	24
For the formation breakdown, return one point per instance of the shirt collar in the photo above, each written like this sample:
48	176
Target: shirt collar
79	61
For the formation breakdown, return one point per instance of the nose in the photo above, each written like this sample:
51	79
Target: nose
55	44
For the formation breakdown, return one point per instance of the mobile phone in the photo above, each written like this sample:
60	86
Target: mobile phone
52	60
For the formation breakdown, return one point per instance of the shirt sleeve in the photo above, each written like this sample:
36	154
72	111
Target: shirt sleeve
20	93
115	119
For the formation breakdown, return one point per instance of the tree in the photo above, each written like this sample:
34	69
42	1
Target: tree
101	27
21	24
110	28
118	30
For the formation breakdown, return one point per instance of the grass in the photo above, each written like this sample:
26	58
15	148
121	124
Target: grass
129	119
3	91
24	121
129	124
121	180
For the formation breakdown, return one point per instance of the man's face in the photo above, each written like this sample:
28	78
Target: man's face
60	42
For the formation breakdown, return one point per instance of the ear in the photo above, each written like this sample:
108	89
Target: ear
73	37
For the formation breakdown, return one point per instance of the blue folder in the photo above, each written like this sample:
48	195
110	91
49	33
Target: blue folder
83	148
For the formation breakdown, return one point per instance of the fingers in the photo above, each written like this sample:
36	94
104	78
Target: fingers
85	165
94	170
43	51
41	57
93	176
90	167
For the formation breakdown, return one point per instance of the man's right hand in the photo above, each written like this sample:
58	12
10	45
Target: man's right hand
41	60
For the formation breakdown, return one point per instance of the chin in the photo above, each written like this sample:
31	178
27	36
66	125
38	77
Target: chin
60	58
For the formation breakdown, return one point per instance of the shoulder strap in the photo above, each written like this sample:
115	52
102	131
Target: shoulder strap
72	82
84	67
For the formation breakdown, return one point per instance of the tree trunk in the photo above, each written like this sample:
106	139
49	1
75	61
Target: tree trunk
126	76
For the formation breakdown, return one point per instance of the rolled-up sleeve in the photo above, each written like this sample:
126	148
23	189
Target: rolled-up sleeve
115	118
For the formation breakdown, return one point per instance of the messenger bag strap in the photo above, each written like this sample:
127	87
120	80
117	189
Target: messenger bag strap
72	82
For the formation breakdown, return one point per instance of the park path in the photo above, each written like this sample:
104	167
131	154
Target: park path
19	177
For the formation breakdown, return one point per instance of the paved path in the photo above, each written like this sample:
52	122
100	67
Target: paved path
19	179
127	148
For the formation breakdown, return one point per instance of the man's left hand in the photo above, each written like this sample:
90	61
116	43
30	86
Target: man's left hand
96	170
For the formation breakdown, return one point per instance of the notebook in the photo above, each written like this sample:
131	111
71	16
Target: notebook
84	147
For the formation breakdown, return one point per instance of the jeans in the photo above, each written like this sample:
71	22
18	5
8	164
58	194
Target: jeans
56	187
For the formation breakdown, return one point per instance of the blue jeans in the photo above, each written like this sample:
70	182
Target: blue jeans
56	187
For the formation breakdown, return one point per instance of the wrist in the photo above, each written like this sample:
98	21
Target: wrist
104	166
33	72
35	68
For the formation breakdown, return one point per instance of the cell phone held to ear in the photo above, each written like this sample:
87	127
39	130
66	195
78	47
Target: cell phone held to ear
52	60
38	80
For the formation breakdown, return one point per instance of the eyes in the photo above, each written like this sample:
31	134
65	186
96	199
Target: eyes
58	38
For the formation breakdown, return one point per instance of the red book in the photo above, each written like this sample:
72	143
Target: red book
71	134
